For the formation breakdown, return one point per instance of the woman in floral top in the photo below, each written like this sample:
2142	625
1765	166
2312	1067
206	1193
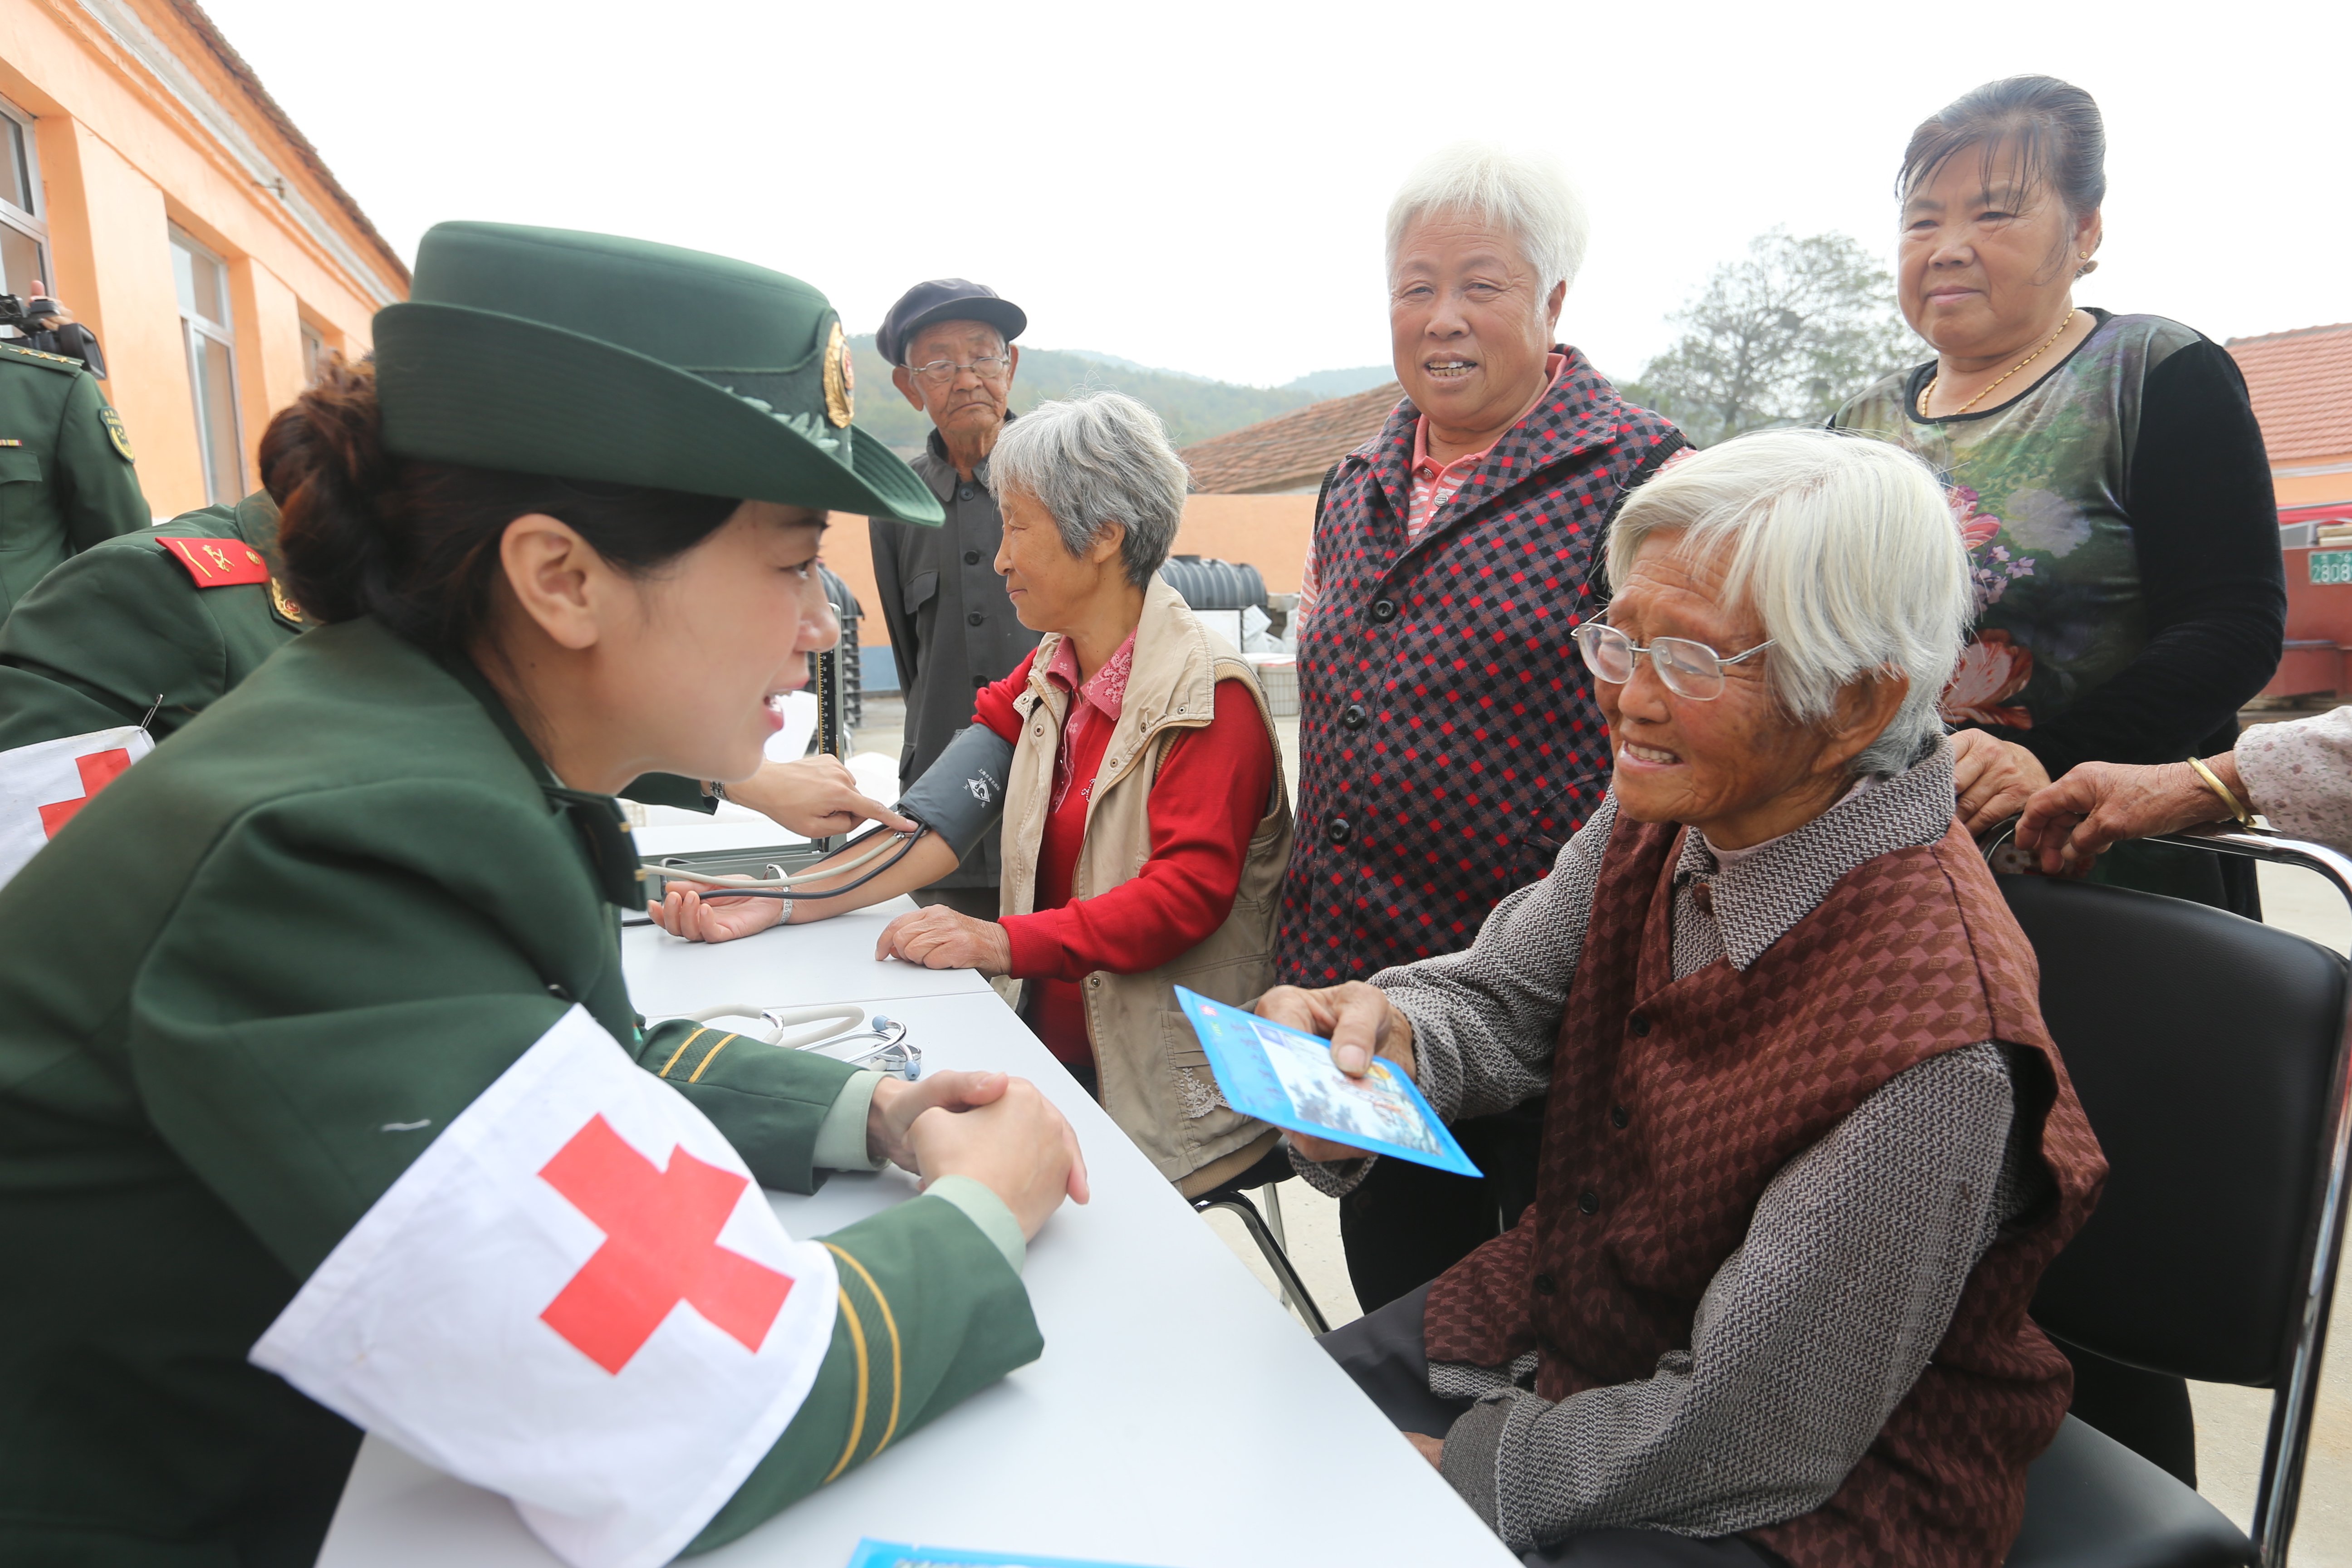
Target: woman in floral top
2106	470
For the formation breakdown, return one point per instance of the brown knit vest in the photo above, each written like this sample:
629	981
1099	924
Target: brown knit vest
1719	1081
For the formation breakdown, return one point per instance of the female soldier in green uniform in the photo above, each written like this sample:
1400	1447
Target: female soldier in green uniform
322	1106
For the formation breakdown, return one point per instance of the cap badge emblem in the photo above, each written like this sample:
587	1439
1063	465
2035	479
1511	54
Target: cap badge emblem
840	379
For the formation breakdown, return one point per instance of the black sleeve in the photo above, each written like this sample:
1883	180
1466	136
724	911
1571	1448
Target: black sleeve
906	649
2206	525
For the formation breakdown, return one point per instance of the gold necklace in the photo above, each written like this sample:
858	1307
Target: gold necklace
1930	389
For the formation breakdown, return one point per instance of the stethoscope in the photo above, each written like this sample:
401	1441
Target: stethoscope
835	1032
780	884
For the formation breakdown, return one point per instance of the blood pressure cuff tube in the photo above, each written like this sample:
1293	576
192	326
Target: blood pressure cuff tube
961	795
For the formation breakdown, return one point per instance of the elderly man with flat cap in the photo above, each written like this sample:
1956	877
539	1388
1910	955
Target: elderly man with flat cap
950	345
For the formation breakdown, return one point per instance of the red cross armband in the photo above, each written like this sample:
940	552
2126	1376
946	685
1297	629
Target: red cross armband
44	786
217	562
576	1295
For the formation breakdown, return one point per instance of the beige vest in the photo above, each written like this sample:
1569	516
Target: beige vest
1154	1079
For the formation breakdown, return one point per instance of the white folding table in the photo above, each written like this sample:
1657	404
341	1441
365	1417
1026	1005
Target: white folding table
1179	1417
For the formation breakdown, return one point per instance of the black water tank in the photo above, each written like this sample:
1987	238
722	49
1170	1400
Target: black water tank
1212	584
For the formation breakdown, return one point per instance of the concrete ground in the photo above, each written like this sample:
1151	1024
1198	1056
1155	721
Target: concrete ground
2232	1421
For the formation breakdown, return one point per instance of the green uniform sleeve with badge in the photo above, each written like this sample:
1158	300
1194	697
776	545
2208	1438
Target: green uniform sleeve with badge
97	474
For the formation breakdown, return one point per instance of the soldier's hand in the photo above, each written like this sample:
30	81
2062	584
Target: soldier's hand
683	912
1018	1147
816	797
896	1104
64	316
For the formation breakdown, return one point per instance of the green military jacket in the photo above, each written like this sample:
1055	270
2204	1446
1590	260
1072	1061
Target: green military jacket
342	900
66	477
124	629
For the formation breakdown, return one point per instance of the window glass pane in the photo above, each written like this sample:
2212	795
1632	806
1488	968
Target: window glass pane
315	352
20	261
184	274
211	372
17	180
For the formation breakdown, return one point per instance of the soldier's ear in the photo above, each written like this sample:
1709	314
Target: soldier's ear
553	576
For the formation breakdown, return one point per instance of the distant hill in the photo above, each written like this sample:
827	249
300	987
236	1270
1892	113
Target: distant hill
1194	407
1343	383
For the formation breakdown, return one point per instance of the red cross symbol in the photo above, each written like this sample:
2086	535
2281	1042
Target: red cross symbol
661	1246
98	770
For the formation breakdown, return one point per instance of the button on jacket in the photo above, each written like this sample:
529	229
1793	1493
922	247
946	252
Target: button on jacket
953	630
66	477
1448	740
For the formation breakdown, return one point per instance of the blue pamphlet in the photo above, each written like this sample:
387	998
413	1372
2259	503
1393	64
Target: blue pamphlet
1285	1076
871	1553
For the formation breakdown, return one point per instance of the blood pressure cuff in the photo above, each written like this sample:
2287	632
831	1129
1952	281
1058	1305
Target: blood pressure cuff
961	796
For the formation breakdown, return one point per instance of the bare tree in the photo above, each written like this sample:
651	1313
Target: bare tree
1781	337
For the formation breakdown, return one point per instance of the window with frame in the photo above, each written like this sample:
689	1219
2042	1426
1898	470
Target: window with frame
24	226
211	339
317	353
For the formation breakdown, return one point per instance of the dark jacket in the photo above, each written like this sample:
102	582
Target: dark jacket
953	630
66	477
1448	740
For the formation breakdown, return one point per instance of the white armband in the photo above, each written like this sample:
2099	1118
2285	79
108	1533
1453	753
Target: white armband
577	1295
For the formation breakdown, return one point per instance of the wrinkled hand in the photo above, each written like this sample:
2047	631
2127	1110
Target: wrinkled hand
938	938
1017	1146
816	797
896	1104
1993	778
1430	1448
1361	1022
698	919
2100	804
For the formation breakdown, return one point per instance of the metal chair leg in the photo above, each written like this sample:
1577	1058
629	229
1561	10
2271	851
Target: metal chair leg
1271	1195
1294	1290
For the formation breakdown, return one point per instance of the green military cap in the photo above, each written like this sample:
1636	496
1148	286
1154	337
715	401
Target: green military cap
590	356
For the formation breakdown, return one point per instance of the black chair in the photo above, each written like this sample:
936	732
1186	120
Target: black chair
1231	1198
2211	1055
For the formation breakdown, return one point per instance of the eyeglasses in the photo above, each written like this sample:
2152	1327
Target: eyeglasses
1689	669
988	367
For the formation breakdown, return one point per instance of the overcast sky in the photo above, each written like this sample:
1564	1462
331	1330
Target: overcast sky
1200	186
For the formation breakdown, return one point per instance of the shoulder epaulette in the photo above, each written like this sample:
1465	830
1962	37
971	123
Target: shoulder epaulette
217	562
43	358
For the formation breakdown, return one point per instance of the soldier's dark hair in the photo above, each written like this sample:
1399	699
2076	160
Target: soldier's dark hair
2049	129
415	544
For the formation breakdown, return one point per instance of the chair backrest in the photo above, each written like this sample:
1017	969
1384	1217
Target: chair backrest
2203	1046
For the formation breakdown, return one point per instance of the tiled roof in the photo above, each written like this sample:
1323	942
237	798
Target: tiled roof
2301	387
1290	451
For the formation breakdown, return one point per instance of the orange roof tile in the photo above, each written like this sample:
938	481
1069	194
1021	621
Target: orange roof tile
2302	386
1290	451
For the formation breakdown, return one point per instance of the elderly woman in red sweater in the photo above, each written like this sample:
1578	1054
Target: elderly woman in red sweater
1136	768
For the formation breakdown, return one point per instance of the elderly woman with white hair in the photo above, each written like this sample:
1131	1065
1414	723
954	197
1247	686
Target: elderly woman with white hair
1134	764
1448	739
1807	1143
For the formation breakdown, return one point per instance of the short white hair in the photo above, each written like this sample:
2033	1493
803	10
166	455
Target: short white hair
1528	194
1098	457
1847	550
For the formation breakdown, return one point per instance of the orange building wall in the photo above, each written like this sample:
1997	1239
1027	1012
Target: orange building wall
122	158
2305	487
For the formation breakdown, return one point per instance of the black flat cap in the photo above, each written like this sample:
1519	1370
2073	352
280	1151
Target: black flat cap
945	300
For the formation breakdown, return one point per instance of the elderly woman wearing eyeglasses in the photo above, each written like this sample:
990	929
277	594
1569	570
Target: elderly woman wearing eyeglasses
1807	1143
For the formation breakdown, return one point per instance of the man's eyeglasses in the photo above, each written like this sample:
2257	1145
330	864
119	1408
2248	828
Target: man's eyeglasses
988	367
1689	669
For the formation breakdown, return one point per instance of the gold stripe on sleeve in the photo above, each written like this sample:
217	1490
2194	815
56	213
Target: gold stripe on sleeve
680	1051
890	1321
857	1422
708	1059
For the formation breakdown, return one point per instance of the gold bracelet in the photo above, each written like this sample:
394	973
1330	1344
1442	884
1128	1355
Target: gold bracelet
2212	781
